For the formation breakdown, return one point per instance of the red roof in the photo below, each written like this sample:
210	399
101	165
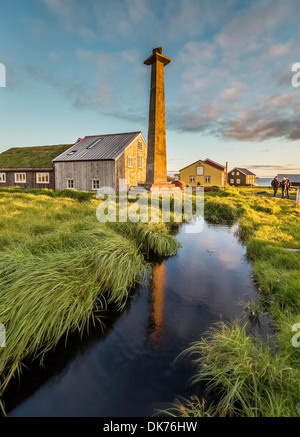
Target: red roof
214	164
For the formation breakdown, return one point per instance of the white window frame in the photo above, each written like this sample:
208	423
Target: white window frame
231	181
237	173
20	182
207	179
68	183
140	161
47	175
238	181
232	173
93	184
194	179
200	170
130	161
2	178
140	145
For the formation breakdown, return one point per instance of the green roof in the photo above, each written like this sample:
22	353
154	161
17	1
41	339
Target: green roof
31	157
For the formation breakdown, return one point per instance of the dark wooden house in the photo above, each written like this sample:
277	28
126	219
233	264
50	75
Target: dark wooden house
241	176
29	167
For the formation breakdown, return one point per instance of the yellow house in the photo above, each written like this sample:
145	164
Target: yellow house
203	173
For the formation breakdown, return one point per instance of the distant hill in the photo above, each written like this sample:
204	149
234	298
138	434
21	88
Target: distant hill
31	157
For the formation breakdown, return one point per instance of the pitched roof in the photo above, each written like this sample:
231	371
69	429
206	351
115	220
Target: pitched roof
243	170
214	164
106	147
207	162
31	157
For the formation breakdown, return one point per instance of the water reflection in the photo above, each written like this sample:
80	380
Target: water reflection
131	369
157	323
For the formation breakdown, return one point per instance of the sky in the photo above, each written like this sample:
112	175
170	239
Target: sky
75	68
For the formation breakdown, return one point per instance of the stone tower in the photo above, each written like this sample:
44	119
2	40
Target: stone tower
156	173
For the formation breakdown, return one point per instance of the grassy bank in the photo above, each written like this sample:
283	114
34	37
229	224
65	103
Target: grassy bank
60	269
248	376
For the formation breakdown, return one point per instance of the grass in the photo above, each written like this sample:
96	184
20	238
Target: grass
72	194
31	157
60	269
248	376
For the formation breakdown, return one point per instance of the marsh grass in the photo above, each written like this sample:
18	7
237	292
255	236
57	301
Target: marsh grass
60	269
248	376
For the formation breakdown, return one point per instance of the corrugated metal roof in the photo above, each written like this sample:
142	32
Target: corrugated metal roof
109	148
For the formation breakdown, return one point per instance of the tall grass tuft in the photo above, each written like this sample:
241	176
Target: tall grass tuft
247	377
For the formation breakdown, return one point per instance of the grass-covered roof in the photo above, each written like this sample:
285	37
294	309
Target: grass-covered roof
31	157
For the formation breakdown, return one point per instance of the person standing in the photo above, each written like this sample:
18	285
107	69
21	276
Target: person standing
275	184
283	187
287	186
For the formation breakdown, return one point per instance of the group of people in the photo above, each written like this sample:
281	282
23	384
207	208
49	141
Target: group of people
285	185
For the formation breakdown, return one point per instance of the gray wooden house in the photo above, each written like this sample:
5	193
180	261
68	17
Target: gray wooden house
101	161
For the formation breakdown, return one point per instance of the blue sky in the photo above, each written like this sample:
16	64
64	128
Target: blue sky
75	68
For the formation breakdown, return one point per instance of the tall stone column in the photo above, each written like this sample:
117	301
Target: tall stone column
156	173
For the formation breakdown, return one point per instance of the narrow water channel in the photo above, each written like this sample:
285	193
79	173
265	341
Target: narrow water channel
130	371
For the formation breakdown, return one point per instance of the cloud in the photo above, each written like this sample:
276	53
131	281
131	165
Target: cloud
97	95
271	167
229	78
236	91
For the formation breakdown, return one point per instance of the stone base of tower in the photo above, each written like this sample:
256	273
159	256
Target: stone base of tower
160	187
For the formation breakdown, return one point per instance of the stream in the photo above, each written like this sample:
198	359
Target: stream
129	370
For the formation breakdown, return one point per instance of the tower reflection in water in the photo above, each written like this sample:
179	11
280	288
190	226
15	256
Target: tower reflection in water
157	323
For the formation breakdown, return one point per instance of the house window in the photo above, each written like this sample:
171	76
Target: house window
140	145
130	161
95	184
94	143
176	178
238	181
72	152
207	179
20	178
200	170
192	179
232	181
2	177
140	161
237	173
232	173
70	183
42	178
